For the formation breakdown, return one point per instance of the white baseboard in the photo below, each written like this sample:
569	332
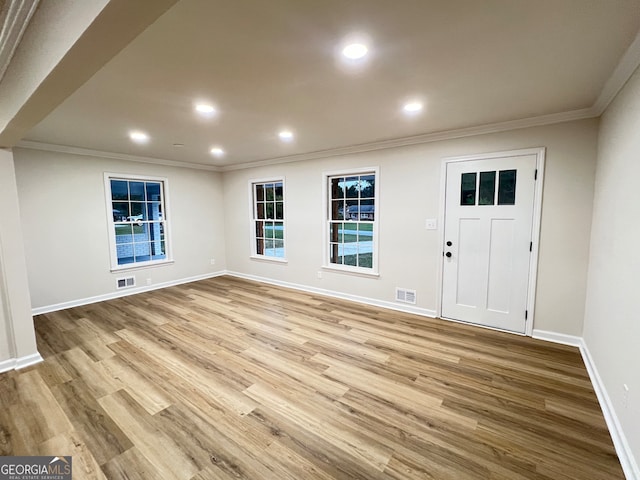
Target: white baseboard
18	363
554	337
121	293
343	296
623	450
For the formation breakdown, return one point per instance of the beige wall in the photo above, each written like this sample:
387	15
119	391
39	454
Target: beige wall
64	217
17	338
410	193
612	328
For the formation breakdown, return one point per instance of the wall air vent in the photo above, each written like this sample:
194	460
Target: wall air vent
405	296
126	282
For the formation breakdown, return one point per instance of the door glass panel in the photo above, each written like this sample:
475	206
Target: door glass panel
487	188
507	187
468	189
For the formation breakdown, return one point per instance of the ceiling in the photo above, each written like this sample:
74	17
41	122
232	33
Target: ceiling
277	64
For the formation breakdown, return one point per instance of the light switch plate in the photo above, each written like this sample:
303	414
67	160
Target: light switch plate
431	224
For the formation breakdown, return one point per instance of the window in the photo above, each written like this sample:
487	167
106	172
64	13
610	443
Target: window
506	193
137	220
352	221
268	219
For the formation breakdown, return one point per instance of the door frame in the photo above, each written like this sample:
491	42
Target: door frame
540	153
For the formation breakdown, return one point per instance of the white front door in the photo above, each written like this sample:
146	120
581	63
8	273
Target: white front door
489	208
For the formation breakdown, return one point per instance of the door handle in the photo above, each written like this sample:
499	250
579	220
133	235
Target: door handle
448	254
449	243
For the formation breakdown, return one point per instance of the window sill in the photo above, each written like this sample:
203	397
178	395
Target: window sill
261	258
351	271
140	266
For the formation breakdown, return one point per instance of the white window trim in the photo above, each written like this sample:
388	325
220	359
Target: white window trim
166	219
252	231
326	264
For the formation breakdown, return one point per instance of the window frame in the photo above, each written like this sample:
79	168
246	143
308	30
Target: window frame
254	255
326	206
166	221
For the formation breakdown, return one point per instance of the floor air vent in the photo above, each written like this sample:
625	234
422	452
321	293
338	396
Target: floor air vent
126	282
405	296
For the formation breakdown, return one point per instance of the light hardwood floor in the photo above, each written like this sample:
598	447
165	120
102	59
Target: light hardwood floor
230	379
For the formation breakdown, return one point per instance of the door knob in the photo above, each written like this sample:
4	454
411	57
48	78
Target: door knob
449	243
448	254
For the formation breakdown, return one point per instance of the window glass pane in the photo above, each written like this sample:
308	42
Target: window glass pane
124	253
278	246
155	231
140	232
268	230
468	189
350	258
268	247
153	191
260	210
120	211
153	211
260	246
136	191
367	210
337	210
352	210
337	188
137	212
142	251
157	250
487	188
270	210
367	186
119	190
365	259
365	232
279	192
336	253
350	232
507	187
269	192
352	187
124	233
259	193
259	229
279	210
336	234
278	230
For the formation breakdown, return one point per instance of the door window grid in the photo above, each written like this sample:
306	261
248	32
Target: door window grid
351	220
268	218
485	186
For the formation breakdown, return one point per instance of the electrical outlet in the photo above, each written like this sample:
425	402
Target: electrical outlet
213	261
148	281
431	224
625	395
319	273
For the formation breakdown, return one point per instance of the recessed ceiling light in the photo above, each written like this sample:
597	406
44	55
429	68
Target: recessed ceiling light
355	51
217	152
286	135
205	109
412	107
138	136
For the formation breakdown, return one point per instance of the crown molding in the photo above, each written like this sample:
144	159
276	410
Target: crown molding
621	74
50	147
14	18
424	138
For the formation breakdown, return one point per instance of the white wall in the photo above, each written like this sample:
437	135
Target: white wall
612	325
17	336
410	193
64	218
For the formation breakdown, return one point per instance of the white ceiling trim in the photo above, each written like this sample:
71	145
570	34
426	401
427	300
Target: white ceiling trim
623	71
425	138
49	147
14	18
